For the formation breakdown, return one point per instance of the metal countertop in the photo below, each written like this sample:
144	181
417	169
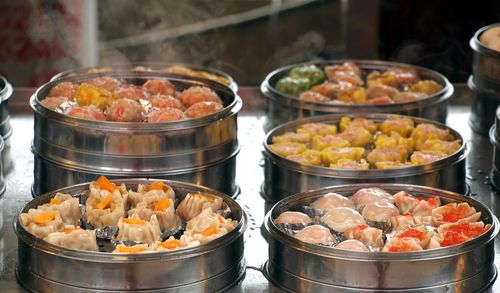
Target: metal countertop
18	174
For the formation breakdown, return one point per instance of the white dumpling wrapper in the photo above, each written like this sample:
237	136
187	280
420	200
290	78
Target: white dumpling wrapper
68	207
145	231
194	203
208	226
341	219
332	200
78	239
167	218
28	221
108	216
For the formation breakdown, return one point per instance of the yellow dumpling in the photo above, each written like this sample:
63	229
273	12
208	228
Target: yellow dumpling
385	78
317	129
322	142
383	165
347	122
357	136
428	87
288	148
302	137
330	155
425	157
425	131
393	140
447	147
402	125
395	154
355	95
308	157
350	165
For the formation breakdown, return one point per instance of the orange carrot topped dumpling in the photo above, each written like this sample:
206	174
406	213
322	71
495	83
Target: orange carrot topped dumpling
135	229
162	207
194	203
132	249
158	190
67	206
207	226
41	222
105	205
74	238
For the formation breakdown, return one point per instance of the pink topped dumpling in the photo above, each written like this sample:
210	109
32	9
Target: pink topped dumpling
198	94
124	110
202	109
86	112
165	115
64	89
159	87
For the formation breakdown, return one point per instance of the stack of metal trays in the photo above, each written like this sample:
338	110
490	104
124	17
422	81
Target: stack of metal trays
5	127
70	150
484	82
284	177
211	267
495	141
282	107
299	266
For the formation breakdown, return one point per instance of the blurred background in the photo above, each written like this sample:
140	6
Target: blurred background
245	38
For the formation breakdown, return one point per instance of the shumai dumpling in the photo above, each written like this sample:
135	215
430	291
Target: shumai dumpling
162	207
393	140
357	136
332	155
301	137
314	129
135	229
308	157
194	203
67	206
347	164
74	238
103	186
207	226
401	125
322	142
132	249
105	208
425	131
446	147
287	148
156	189
41	222
384	154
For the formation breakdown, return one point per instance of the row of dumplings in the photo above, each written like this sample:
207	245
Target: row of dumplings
139	221
374	220
360	143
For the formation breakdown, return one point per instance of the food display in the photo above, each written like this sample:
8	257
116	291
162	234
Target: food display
381	232
491	38
111	99
134	221
165	232
348	84
361	144
383	222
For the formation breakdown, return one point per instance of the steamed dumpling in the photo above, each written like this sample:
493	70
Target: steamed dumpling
74	238
160	206
352	244
365	196
67	206
41	222
316	234
207	226
454	212
194	203
132	249
158	190
404	244
342	219
293	218
105	208
369	236
379	214
332	200
135	229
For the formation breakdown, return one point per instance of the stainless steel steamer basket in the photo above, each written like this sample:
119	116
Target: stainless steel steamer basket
136	149
297	266
486	62
143	67
483	108
284	177
214	266
6	91
282	107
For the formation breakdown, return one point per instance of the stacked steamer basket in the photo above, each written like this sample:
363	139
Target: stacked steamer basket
314	263
495	141
183	69
108	266
5	127
485	79
70	150
294	154
285	106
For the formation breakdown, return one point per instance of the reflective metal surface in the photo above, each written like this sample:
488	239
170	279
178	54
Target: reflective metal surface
282	108
214	266
5	126
249	177
315	268
285	177
74	148
486	63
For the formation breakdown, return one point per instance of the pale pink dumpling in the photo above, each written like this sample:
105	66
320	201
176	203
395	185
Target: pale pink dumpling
107	82
342	219
64	89
365	196
332	200
198	94
159	87
53	102
202	109
316	234
352	244
124	110
130	92
162	101
86	112
293	218
165	115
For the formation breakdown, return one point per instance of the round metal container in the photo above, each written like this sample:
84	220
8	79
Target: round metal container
285	177
196	150
483	108
5	93
211	267
495	173
144	67
282	107
3	185
486	63
297	266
